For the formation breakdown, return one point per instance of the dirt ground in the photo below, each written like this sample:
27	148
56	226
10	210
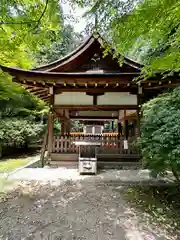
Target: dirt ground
74	210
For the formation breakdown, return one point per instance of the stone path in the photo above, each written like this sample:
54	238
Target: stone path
73	207
61	174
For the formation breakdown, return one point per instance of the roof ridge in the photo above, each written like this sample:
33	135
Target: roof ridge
45	67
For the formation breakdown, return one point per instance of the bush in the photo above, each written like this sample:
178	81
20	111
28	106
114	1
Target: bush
160	134
19	132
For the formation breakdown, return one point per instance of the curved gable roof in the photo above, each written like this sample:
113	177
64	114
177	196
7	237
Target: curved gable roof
90	46
48	67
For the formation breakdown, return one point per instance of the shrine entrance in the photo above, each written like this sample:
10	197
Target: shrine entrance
90	87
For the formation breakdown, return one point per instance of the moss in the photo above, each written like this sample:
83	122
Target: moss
12	164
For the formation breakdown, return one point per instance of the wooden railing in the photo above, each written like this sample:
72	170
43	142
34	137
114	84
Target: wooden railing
109	144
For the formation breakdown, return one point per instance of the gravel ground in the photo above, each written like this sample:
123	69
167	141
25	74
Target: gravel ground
62	174
69	210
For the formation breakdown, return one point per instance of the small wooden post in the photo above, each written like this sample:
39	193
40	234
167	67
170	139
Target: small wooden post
67	126
126	133
138	123
62	127
126	130
50	124
50	133
43	149
138	113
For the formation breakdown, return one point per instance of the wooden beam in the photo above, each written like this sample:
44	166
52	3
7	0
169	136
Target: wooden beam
70	78
172	85
28	88
97	107
130	117
45	98
43	94
37	91
95	90
26	85
33	83
92	117
61	115
117	85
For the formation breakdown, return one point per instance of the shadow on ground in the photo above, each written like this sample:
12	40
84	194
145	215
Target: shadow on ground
83	209
160	203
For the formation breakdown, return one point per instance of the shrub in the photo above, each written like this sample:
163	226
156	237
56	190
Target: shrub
19	132
160	134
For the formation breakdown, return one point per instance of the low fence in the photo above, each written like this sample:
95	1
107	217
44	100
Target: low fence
108	144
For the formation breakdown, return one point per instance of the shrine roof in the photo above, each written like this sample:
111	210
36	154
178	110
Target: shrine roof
87	59
85	69
91	46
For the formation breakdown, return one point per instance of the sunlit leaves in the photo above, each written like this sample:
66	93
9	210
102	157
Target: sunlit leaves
146	31
66	41
25	26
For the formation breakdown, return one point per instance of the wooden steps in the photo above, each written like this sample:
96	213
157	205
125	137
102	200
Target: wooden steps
104	160
100	164
100	157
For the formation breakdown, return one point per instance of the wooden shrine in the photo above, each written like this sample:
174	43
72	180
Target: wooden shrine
87	85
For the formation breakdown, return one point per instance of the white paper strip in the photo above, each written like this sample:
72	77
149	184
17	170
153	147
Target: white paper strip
125	144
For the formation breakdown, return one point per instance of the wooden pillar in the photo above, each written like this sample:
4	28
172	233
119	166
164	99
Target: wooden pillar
126	133
62	128
68	128
135	127
50	123
126	130
140	91
50	132
119	129
112	125
119	124
66	123
138	122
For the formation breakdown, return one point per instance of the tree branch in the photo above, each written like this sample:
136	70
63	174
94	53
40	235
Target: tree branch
25	22
43	12
28	22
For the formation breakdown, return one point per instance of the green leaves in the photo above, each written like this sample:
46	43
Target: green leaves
160	133
25	26
66	41
17	132
146	31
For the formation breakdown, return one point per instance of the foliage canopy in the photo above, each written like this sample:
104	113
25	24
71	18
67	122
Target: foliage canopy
147	31
25	26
